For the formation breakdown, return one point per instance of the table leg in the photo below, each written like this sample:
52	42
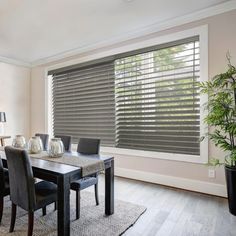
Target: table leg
63	214
2	142
109	189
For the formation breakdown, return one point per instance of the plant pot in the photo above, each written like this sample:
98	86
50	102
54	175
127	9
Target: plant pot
230	175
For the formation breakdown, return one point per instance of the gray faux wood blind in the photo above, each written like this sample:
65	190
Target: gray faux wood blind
84	103
157	99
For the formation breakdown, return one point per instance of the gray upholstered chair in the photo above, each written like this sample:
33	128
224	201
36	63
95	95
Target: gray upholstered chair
44	138
23	190
86	146
66	140
4	187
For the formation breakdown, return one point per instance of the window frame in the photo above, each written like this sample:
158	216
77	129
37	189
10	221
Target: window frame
202	32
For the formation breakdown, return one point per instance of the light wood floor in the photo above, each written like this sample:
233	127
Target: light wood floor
172	211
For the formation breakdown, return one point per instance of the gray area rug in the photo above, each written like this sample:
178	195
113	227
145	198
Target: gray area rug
92	219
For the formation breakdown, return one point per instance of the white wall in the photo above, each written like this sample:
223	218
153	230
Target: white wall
15	99
222	37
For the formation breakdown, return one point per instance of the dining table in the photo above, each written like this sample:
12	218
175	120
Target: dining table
63	174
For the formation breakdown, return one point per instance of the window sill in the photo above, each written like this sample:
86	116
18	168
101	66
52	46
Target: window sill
201	159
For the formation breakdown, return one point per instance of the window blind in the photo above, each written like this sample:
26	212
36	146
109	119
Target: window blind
84	103
158	101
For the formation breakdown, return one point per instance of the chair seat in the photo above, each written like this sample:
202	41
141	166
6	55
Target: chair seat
46	193
83	183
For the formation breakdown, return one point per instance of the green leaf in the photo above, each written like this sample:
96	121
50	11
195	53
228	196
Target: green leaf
221	115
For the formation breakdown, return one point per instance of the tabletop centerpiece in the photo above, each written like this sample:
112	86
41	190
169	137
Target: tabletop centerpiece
35	145
19	141
56	148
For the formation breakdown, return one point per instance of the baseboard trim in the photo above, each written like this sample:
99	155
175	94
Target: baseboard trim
172	181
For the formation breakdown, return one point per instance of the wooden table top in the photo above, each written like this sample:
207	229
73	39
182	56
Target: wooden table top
54	166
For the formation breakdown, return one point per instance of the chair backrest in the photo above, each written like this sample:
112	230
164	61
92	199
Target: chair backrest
21	180
44	138
66	139
2	179
88	146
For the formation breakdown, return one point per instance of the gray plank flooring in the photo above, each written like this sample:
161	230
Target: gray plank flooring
173	212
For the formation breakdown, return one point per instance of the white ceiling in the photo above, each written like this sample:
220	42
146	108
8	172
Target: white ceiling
31	30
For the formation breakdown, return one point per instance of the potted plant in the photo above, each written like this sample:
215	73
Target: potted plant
221	118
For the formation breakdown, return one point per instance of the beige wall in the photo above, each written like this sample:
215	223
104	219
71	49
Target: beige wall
222	37
38	101
15	99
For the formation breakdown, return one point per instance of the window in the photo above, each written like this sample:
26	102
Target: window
83	102
157	99
146	99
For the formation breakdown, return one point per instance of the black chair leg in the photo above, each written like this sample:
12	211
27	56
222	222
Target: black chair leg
1	208
44	210
96	194
77	204
30	223
55	206
13	217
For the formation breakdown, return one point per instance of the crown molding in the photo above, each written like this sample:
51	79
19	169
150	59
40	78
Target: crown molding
208	12
154	28
15	62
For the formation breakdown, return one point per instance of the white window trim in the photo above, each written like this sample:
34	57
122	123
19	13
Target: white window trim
202	31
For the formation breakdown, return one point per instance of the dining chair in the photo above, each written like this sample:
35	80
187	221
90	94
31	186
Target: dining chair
24	192
44	138
66	140
4	187
88	147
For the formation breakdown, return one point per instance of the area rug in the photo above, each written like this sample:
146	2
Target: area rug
92	219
